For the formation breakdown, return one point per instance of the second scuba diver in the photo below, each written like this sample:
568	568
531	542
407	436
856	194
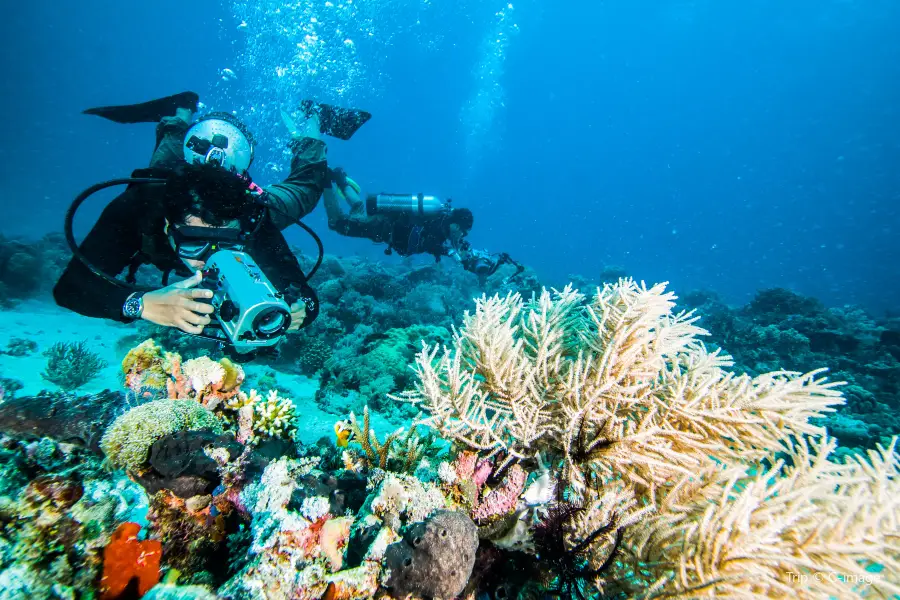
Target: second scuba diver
195	200
409	224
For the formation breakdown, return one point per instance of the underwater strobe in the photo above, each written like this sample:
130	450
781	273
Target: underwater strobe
419	205
250	311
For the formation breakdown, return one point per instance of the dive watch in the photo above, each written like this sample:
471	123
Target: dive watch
134	306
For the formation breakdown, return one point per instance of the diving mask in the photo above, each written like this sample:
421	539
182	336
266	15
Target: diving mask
199	243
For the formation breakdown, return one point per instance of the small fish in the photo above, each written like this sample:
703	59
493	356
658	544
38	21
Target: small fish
330	592
344	433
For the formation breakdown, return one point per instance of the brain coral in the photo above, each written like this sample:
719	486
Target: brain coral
127	441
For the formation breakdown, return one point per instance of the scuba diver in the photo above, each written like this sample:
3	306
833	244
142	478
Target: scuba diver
196	212
409	224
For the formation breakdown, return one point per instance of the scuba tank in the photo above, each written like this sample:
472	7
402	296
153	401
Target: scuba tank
418	205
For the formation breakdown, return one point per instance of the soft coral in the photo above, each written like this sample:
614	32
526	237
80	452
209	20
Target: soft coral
129	565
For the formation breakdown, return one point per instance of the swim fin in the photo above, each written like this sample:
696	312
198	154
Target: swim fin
147	112
336	121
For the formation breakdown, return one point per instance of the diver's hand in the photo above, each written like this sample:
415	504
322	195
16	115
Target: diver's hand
177	306
298	315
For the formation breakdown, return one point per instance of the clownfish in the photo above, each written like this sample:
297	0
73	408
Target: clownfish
344	433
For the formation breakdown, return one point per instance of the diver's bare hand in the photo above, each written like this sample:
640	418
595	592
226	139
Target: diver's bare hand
177	306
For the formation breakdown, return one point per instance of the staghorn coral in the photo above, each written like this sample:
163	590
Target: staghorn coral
675	460
70	365
127	441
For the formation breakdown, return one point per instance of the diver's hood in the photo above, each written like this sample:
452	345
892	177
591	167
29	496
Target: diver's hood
222	139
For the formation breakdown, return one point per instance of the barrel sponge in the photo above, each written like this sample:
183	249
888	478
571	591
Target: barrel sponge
127	441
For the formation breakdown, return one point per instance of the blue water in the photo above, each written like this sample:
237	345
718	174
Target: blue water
724	145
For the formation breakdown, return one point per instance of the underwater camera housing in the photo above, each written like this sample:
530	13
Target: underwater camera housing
249	310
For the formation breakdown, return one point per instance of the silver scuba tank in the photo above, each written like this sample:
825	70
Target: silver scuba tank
413	204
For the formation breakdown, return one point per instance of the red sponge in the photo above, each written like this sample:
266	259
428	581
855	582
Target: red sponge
126	559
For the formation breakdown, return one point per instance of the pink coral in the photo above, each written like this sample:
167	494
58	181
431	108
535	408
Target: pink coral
503	500
464	465
482	472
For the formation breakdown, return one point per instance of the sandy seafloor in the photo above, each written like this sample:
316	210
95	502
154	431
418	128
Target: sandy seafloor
46	324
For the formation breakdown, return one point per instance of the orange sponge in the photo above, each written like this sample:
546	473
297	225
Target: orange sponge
129	565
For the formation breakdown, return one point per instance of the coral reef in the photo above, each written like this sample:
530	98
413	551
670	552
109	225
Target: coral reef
27	268
587	446
20	347
779	329
52	538
65	417
128	440
70	365
681	468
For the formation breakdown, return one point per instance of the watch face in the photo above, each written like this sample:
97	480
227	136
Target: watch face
133	308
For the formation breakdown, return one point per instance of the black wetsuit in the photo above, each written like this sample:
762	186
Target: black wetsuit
131	231
403	234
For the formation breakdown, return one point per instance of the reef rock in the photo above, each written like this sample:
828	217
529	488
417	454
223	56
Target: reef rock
434	559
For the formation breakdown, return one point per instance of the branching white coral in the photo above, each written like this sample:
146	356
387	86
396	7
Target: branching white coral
673	459
315	507
274	417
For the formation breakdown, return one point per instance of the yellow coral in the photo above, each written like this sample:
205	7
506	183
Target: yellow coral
234	375
144	366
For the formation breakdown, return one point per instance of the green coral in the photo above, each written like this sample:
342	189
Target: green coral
127	441
382	366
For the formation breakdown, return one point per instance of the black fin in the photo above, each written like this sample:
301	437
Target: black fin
336	121
147	112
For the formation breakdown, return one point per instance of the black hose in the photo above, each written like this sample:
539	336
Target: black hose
77	253
70	219
311	233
